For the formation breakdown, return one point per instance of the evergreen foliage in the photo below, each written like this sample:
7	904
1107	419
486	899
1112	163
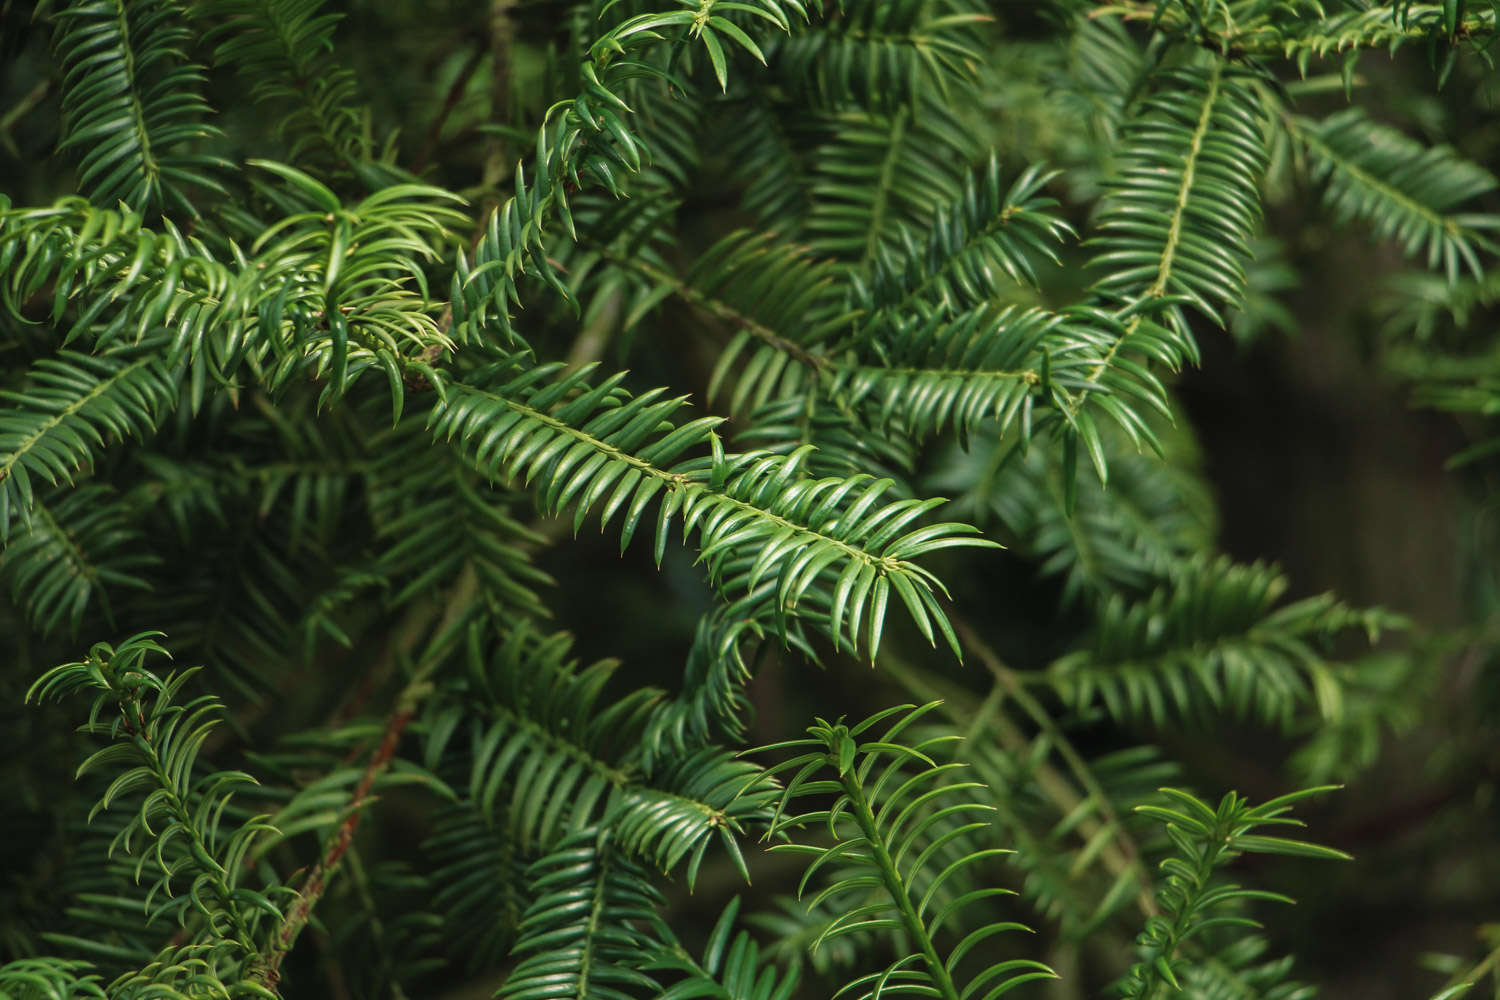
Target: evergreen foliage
324	327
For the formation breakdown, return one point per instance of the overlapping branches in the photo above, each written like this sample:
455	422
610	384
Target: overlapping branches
891	819
833	545
134	106
1212	639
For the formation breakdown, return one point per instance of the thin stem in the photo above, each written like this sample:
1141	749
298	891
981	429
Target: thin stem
895	886
502	32
450	101
300	911
27	443
300	70
899	124
1152	979
187	819
19	110
723	311
361	884
1158	287
915	293
1117	857
1015	689
1185	189
406	705
1490	963
677	481
1264	39
1299	127
149	166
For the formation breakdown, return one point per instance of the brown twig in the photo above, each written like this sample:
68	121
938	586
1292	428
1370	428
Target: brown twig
19	110
502	30
450	101
407	703
317	883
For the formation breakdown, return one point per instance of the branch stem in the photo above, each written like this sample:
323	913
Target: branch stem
896	887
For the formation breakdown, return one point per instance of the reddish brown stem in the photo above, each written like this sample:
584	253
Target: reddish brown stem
317	882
